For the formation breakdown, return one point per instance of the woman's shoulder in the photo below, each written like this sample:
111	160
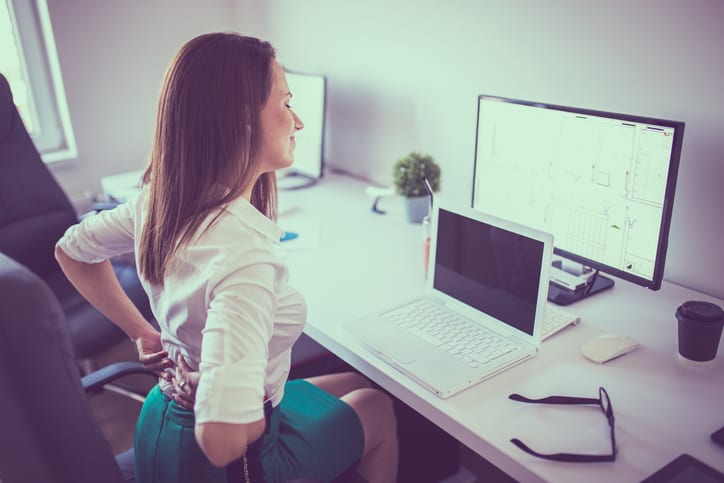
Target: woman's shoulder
242	222
230	247
230	242
225	229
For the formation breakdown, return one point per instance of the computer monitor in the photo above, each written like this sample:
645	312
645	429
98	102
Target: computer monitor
602	183
308	101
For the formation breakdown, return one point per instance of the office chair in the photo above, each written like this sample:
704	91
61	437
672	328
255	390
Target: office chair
49	432
34	214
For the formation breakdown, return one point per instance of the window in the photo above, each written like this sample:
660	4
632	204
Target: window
29	61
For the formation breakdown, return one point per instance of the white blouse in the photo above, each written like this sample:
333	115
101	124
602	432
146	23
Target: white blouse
226	304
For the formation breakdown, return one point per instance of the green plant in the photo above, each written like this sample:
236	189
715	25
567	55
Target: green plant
409	172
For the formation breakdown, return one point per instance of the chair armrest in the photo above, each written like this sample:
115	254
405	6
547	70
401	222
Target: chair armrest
96	207
97	379
103	205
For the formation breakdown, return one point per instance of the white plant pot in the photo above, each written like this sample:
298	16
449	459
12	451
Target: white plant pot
418	207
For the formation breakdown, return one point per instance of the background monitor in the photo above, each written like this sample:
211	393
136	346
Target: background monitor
308	101
602	183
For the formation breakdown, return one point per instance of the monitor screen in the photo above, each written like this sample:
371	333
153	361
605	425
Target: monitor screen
308	101
602	183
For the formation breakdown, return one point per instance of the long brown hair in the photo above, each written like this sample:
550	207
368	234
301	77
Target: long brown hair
207	141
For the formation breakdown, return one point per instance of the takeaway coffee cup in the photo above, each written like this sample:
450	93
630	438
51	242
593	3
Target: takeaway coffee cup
700	326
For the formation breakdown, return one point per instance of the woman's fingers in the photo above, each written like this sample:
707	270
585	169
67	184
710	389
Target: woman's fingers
187	374
157	362
183	403
166	376
184	383
182	391
182	367
153	357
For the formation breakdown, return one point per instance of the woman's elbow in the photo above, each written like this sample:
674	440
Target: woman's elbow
63	259
220	456
224	443
59	253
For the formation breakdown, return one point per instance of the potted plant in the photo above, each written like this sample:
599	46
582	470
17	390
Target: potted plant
408	175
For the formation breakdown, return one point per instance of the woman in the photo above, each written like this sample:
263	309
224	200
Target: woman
204	239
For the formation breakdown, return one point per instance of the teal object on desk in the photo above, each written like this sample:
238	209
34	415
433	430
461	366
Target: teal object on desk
288	235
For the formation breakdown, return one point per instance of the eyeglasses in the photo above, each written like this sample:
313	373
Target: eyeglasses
603	401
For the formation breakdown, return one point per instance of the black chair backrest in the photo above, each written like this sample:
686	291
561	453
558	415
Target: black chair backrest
49	432
34	209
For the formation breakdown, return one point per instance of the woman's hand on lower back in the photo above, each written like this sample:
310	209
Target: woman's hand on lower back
152	355
185	383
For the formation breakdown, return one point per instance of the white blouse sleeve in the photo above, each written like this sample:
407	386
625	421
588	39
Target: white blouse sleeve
101	236
235	343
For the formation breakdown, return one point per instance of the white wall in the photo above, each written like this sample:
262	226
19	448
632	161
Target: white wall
113	56
405	75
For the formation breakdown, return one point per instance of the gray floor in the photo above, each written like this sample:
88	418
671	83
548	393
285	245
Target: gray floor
117	415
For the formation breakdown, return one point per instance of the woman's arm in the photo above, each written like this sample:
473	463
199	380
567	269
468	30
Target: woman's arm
97	283
234	356
222	443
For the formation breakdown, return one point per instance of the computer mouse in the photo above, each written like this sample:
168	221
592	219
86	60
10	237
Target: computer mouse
608	346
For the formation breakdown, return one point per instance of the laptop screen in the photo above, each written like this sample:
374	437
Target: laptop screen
489	268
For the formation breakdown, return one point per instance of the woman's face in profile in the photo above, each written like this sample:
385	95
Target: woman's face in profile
278	124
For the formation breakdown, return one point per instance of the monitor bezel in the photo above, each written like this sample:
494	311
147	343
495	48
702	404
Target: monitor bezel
669	194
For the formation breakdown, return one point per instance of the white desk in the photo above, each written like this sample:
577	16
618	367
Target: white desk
349	261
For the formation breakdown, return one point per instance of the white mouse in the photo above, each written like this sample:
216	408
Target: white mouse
608	346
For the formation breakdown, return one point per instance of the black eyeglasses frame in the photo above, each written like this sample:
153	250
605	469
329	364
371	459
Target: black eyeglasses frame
603	401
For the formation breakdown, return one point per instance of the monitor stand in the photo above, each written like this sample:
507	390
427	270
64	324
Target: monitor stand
294	181
572	286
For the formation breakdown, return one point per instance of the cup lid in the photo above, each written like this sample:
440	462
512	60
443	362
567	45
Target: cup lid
699	310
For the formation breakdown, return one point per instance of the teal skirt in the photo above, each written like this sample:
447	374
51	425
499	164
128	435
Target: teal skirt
311	434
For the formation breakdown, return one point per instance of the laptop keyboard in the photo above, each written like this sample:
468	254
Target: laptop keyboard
556	319
464	340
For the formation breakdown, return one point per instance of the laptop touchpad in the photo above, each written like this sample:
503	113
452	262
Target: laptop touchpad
400	349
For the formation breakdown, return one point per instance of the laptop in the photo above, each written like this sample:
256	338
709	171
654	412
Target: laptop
487	287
